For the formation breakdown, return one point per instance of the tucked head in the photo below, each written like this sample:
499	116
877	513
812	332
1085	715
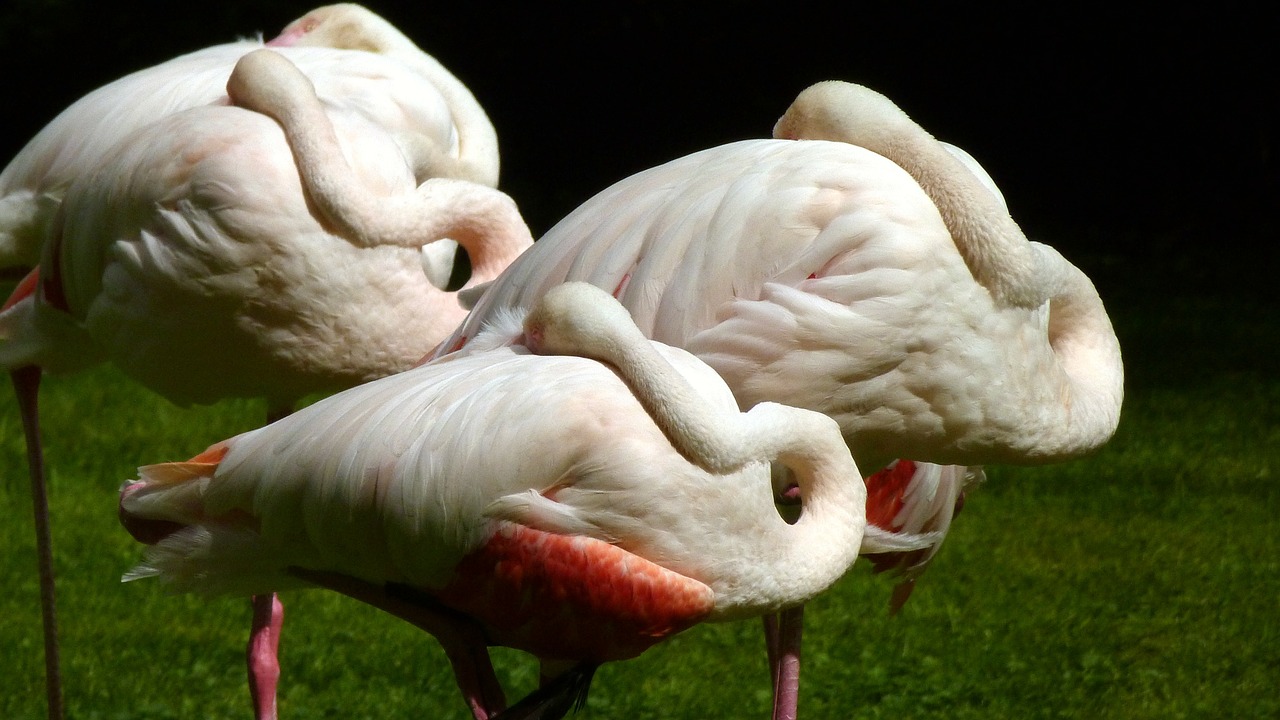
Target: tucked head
578	318
345	26
841	112
262	79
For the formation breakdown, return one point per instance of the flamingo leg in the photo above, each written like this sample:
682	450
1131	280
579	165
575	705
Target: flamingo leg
786	664
463	642
770	622
26	385
262	655
562	688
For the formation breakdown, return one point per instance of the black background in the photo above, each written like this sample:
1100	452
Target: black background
1123	132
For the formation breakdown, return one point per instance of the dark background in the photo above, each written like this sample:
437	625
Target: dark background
1125	133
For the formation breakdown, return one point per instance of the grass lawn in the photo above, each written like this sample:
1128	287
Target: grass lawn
1142	582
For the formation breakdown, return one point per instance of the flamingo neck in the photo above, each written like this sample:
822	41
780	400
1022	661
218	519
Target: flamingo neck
477	138
992	244
1021	275
777	564
352	27
481	219
1088	354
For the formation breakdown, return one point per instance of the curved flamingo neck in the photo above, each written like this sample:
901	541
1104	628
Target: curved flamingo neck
992	244
484	221
787	563
1018	273
352	27
1088	353
990	241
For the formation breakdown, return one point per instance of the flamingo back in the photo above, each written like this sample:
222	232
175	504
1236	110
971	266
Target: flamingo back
385	91
381	462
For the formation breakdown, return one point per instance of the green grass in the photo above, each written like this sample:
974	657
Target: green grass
1142	582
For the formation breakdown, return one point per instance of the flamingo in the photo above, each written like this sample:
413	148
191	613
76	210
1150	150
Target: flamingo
868	272
469	147
233	250
521	497
355	58
433	117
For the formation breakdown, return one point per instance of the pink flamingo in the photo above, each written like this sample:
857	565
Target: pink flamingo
579	509
269	247
355	58
873	275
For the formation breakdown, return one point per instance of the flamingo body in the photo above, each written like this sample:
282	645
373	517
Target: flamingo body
822	273
378	461
217	247
369	69
200	232
581	598
546	498
857	267
174	250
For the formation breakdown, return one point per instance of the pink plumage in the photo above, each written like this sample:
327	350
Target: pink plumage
859	268
537	501
296	238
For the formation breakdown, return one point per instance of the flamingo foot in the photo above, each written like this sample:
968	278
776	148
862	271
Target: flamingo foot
262	657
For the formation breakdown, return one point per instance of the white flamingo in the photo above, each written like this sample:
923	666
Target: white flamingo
576	510
432	116
873	276
269	247
355	58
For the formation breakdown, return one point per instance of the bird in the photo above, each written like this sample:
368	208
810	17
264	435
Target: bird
355	58
573	490
266	247
856	266
467	148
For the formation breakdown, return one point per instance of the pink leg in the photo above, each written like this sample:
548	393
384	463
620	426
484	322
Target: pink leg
771	647
26	385
463	642
786	664
473	672
261	654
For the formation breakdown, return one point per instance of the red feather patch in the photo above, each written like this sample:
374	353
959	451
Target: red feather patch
572	597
